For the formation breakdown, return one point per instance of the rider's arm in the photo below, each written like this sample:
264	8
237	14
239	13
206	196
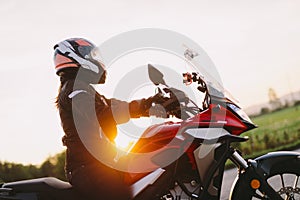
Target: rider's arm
122	111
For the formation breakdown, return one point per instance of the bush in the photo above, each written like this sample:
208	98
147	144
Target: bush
264	110
53	166
297	103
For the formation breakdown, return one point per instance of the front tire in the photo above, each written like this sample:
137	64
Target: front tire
282	177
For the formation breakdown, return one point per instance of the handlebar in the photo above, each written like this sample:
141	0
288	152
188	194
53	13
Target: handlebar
176	103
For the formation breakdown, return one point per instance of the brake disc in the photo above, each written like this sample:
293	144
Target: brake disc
289	191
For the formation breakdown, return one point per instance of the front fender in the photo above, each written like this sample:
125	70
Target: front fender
267	165
275	162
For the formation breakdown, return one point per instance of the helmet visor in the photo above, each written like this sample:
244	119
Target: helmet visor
84	50
95	55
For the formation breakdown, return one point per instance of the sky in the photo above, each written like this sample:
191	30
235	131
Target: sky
253	43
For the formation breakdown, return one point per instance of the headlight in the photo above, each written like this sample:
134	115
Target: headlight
239	112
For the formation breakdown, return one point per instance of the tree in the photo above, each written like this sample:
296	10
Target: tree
264	110
274	100
60	165
54	166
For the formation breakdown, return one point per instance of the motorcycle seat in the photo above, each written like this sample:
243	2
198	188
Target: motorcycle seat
39	184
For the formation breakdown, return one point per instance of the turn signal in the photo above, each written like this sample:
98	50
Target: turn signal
255	184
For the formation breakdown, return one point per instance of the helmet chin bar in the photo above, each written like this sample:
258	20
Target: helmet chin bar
102	78
89	66
90	77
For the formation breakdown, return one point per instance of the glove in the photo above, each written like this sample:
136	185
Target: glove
152	106
158	106
142	107
164	107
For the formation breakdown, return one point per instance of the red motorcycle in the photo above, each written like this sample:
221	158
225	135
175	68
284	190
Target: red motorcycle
186	159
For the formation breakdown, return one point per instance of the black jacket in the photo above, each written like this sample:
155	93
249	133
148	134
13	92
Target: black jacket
89	121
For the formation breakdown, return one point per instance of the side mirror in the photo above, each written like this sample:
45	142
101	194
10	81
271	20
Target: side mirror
155	75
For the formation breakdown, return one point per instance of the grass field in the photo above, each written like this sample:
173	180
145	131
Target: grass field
279	130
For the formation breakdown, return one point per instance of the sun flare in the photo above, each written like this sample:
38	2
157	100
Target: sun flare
124	142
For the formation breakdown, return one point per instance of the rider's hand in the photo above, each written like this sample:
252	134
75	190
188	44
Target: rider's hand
158	99
170	103
147	107
157	108
165	106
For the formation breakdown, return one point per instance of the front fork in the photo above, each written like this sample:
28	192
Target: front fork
253	175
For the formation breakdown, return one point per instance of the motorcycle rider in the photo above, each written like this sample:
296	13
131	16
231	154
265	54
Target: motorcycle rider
78	64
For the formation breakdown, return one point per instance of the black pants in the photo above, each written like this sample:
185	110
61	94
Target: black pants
98	181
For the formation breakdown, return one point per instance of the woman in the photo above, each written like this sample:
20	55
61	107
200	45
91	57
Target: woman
89	120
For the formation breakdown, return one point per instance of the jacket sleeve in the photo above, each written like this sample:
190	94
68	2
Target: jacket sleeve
122	111
140	108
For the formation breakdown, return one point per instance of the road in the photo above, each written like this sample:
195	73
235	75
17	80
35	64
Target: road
228	179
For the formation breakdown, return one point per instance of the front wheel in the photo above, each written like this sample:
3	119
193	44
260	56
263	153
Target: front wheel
283	177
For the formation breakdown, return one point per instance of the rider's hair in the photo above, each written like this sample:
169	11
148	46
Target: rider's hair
66	75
